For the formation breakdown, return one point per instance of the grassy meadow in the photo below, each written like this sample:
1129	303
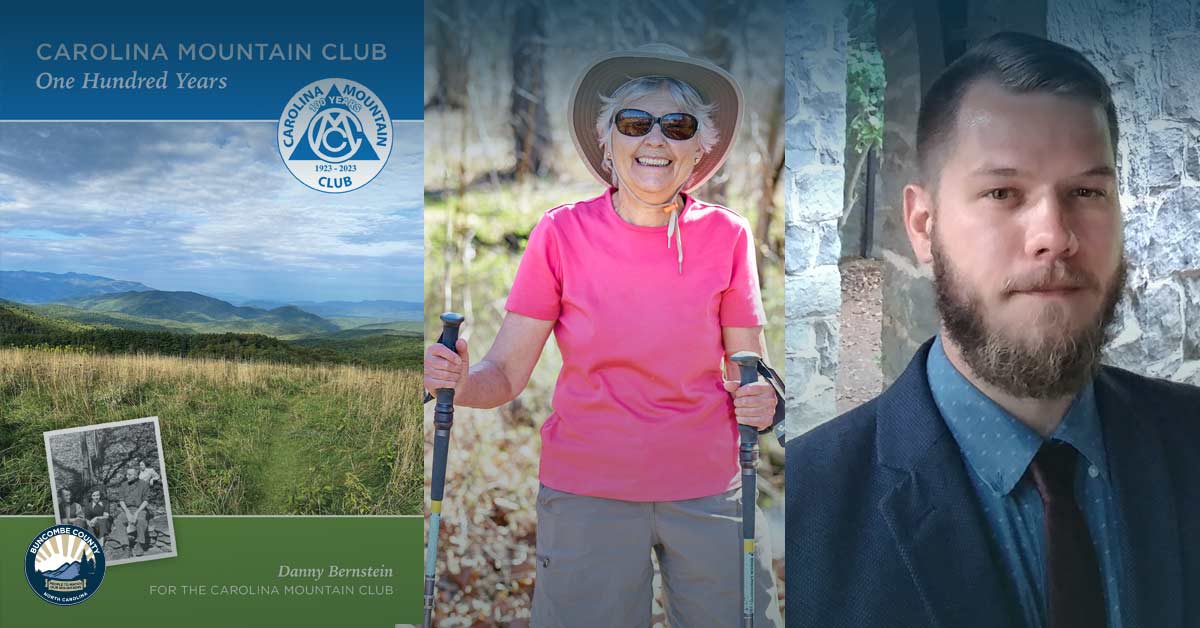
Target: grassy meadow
239	437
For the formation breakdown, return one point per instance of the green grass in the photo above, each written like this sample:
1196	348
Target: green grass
238	438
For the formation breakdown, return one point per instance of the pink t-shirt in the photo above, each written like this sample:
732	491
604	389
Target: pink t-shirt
640	413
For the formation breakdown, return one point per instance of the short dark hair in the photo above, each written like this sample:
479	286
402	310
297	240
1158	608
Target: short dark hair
1018	62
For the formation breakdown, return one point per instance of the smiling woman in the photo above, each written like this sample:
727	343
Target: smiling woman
635	463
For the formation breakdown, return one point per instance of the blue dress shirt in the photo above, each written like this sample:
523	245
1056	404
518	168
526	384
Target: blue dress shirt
997	449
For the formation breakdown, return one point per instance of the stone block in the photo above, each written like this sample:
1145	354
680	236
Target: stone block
800	369
812	406
799	338
802	240
800	143
1163	159
799	154
828	338
1159	311
831	243
814	292
814	194
1173	244
1181	90
1191	315
1138	231
1191	161
810	244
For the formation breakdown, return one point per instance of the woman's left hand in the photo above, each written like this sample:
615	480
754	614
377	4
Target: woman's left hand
753	404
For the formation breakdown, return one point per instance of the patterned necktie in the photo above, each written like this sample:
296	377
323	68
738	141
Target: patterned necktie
1075	598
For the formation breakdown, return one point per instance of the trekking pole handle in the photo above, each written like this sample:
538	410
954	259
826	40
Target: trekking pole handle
443	412
747	362
451	321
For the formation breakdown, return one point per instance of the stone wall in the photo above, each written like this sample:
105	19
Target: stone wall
815	105
911	45
1148	50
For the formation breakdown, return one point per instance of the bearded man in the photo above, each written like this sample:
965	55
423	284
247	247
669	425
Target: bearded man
1007	478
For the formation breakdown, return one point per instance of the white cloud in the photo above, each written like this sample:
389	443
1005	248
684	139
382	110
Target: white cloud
202	205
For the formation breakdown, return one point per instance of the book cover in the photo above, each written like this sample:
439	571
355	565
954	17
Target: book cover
210	316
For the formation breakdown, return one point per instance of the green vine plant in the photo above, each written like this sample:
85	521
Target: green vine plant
864	96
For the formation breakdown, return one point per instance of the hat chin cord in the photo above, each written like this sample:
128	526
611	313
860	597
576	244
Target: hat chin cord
672	224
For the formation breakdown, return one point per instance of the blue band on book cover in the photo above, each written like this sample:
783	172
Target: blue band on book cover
203	67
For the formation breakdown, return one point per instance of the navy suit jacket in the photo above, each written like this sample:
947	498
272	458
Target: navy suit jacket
884	528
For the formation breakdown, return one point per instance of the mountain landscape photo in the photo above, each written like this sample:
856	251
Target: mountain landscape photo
177	270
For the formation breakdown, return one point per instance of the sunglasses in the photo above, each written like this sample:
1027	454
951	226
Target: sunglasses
675	126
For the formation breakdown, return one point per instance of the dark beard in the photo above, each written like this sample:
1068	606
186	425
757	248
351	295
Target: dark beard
1054	368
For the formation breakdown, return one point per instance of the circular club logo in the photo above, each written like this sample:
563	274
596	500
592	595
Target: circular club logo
335	135
64	565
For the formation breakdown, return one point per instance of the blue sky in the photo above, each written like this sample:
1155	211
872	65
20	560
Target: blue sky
207	207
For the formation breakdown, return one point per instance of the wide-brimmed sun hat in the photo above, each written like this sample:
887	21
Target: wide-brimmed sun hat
605	74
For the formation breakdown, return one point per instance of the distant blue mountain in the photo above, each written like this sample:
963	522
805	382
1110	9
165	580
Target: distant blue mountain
394	310
65	572
32	287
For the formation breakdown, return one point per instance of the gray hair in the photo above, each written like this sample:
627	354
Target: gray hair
685	96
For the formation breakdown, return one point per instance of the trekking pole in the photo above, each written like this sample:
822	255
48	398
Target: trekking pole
443	420
748	458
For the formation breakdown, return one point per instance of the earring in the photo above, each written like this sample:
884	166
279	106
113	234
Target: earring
697	160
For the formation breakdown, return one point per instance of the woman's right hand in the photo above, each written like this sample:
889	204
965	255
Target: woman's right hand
445	368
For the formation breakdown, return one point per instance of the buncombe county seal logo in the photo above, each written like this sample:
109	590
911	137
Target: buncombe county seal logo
64	565
335	135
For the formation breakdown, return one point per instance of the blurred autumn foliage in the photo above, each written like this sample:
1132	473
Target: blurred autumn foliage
489	534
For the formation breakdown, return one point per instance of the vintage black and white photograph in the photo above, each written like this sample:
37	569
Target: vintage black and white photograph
110	479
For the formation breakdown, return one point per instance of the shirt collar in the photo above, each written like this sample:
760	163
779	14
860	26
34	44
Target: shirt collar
996	445
1081	428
